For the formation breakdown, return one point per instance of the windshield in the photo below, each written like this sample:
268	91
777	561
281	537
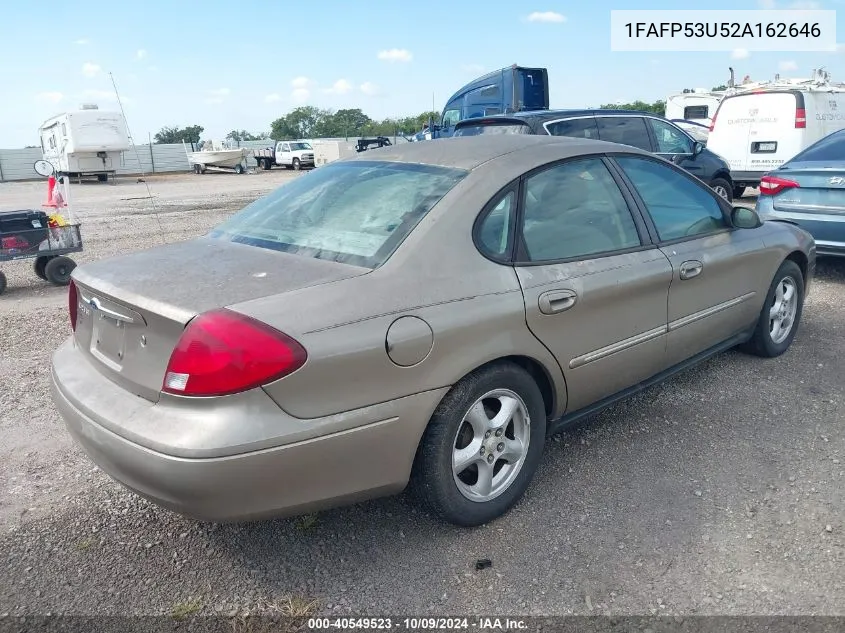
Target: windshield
830	149
354	212
297	146
497	128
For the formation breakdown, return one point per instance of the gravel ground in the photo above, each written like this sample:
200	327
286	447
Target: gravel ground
719	492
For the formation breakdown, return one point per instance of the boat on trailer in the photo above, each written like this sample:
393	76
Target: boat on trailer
218	157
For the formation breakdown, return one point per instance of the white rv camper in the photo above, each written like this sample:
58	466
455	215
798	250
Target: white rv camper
86	142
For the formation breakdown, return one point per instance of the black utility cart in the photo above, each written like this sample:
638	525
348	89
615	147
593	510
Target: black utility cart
28	234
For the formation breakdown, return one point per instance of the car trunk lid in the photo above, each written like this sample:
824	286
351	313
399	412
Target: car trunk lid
131	310
820	190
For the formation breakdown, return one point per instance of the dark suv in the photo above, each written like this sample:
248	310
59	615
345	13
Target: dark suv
650	132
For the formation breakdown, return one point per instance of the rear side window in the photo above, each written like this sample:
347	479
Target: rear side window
677	204
625	130
494	232
696	112
830	148
493	128
579	128
354	212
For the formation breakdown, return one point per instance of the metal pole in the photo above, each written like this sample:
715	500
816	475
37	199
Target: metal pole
152	158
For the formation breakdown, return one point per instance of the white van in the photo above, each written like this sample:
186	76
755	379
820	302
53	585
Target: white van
759	130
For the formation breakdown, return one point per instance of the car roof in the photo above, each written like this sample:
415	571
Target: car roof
468	152
556	114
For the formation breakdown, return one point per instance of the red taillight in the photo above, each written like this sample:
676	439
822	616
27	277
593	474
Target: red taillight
800	118
771	185
223	352
713	121
72	304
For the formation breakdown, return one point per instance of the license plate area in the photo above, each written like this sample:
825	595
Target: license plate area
108	340
764	147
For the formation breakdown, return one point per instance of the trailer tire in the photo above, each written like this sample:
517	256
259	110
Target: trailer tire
3	283
239	169
58	270
39	265
197	169
103	177
266	164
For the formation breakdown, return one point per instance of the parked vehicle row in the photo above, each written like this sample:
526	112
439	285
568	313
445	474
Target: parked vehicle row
649	132
414	315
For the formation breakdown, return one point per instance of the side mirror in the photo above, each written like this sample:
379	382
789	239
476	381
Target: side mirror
697	148
745	218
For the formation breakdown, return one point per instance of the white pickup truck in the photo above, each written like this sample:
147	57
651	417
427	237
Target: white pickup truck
287	154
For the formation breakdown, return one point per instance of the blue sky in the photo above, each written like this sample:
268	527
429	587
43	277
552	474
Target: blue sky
228	65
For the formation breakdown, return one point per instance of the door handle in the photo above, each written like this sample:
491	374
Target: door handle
691	269
556	301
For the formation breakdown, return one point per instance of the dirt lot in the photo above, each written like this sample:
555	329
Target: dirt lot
721	491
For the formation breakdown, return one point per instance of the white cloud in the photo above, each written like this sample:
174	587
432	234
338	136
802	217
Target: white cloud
787	65
395	55
300	95
141	54
153	69
740	53
214	100
273	98
91	70
301	82
53	97
82	41
220	92
369	88
340	87
546	16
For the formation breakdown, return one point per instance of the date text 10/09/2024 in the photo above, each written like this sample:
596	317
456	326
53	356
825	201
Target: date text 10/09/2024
737	30
416	624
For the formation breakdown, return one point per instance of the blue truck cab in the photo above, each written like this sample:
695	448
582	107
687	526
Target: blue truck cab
504	91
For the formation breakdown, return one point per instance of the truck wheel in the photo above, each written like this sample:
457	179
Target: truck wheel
197	169
39	265
296	164
2	283
102	177
58	270
239	169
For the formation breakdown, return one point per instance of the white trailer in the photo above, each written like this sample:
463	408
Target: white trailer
85	142
329	151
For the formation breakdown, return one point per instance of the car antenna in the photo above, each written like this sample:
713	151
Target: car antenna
138	158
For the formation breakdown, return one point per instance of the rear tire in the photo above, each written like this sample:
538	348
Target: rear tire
39	265
447	477
723	188
739	192
58	270
785	300
3	283
239	169
266	164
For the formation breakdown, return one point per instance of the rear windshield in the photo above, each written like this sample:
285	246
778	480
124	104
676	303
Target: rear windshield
493	128
829	149
354	212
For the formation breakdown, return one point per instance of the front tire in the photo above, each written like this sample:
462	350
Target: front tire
482	446
296	164
781	313
722	188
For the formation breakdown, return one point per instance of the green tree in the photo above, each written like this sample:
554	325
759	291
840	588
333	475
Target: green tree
243	135
190	134
719	88
658	107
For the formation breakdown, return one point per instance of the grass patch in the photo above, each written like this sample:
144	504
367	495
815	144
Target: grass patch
184	609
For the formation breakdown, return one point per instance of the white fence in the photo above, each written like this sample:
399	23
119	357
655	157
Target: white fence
18	164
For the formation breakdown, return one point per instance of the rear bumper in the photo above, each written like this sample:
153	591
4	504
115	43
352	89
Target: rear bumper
827	230
369	458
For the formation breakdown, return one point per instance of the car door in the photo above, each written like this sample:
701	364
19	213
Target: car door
671	143
595	288
627	130
715	267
